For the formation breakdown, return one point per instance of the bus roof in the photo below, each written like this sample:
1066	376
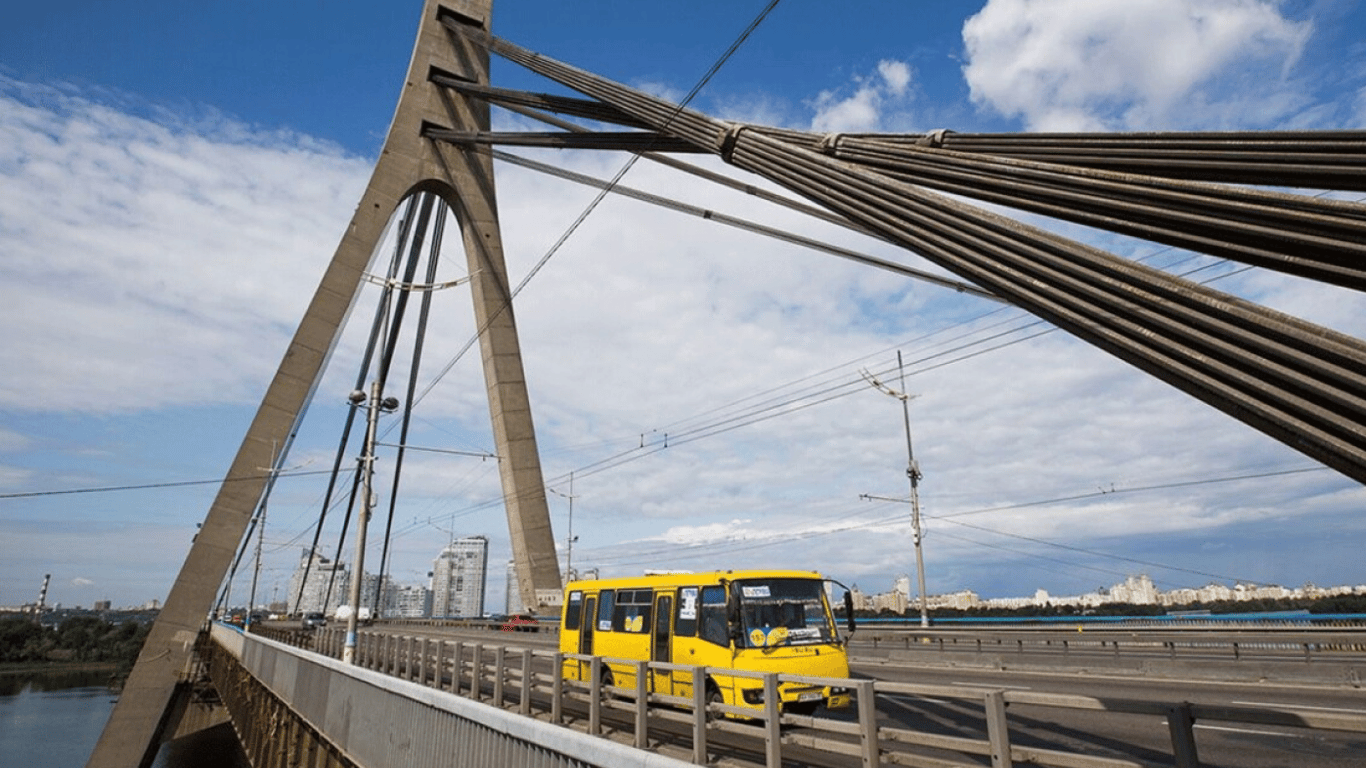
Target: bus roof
687	579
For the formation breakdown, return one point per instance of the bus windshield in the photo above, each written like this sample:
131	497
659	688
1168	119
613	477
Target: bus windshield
778	612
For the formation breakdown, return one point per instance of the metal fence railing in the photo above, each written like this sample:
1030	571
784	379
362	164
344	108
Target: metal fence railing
532	681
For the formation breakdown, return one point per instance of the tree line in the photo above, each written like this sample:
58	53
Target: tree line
75	639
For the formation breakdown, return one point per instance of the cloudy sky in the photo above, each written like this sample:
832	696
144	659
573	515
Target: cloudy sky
174	177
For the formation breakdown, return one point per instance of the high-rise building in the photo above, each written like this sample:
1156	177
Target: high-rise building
322	572
411	601
376	593
512	603
458	577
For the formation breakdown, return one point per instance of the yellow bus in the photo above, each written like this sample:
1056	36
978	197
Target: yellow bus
761	621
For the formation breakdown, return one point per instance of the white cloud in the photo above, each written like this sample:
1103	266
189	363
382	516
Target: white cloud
864	109
143	252
1069	65
11	441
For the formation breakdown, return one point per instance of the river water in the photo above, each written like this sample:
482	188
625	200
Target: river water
53	719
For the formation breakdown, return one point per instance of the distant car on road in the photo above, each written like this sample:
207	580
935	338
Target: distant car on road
520	622
314	620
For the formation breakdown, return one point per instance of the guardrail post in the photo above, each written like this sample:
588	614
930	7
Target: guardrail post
524	703
439	662
867	721
477	671
1181	723
557	689
998	729
699	715
594	696
457	664
499	657
422	662
773	722
642	704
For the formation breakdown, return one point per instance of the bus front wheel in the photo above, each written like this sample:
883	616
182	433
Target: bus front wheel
714	697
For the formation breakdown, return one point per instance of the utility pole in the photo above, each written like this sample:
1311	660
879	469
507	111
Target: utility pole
261	530
913	473
569	545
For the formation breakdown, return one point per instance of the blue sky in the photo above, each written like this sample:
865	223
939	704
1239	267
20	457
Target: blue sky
173	179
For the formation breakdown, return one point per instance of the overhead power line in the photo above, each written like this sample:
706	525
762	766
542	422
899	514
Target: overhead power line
147	486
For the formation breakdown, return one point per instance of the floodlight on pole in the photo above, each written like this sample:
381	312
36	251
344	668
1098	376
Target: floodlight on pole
367	461
913	473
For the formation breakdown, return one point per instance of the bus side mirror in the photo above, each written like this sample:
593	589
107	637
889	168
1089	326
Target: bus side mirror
849	610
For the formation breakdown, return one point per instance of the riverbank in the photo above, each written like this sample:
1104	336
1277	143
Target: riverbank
30	667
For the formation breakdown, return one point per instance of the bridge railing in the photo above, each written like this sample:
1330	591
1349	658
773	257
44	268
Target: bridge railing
532	681
1238	645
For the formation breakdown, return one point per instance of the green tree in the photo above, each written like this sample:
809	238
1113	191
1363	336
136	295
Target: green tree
22	640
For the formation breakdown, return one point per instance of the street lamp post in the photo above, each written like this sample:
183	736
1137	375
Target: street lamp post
367	462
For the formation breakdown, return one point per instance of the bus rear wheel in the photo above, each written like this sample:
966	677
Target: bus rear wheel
607	684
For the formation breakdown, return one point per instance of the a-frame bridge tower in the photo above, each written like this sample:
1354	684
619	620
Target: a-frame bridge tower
409	163
1207	192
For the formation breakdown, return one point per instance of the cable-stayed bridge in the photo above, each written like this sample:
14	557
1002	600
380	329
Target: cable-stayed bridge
1214	193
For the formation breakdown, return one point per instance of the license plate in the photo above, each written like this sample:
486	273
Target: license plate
816	696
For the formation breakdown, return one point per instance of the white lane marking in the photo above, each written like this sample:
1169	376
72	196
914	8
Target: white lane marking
908	697
993	687
1277	705
1280	734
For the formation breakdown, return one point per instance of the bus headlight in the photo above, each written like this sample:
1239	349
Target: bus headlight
754	696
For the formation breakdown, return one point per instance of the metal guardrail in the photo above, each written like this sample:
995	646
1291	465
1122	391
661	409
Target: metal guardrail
510	679
1234	646
296	708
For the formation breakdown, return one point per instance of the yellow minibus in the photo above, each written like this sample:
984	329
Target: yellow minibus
757	620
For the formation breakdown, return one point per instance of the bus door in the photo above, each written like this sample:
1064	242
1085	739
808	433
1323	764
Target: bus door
661	680
586	629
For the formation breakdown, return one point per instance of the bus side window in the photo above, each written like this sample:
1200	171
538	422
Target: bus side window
685	625
605	602
713	616
572	610
633	611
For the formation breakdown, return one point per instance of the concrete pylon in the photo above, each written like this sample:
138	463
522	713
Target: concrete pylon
408	163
